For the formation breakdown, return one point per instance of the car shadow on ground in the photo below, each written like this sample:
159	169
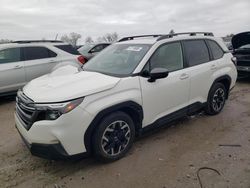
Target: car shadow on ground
7	99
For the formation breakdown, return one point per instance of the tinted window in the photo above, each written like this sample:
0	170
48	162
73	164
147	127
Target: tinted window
105	45
97	48
168	56
216	49
32	53
196	52
10	55
68	48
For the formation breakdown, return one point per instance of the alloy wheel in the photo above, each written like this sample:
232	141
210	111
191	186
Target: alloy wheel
115	138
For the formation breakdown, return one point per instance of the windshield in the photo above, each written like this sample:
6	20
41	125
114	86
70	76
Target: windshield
85	49
118	59
245	46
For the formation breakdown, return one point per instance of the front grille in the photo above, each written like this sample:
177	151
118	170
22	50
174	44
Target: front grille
25	110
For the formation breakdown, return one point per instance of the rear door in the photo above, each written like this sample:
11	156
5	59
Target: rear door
12	75
201	68
38	61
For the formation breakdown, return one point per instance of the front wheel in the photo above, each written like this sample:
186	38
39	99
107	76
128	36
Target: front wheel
216	99
113	137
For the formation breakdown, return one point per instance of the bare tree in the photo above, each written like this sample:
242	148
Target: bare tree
109	37
89	40
171	32
2	41
72	38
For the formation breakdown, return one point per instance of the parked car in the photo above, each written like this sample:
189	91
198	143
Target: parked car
241	45
90	50
134	85
22	61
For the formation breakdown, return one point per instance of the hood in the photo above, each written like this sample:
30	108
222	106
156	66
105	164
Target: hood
241	39
67	83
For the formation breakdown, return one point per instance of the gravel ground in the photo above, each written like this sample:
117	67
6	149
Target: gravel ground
169	157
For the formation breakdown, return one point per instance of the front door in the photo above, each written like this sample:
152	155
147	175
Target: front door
169	94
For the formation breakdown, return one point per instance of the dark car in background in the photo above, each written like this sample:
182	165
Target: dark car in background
241	45
90	50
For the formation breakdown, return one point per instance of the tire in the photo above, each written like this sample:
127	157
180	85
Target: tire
113	137
216	99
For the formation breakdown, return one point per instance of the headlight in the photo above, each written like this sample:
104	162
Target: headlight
55	110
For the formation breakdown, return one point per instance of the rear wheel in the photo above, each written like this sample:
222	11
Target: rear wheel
216	99
113	137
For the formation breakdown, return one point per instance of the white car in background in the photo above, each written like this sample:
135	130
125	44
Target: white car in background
22	61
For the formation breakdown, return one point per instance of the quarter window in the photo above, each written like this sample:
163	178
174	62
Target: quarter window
32	53
196	52
10	55
168	56
216	49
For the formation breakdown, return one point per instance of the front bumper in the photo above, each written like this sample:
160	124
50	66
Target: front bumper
47	151
57	139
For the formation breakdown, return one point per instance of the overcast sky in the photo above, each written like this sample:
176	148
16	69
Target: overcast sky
37	19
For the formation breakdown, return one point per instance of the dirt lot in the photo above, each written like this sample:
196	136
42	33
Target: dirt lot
167	158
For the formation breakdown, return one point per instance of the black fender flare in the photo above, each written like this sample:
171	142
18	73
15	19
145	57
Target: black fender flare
221	79
130	107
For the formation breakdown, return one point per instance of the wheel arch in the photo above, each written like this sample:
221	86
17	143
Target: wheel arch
133	109
225	80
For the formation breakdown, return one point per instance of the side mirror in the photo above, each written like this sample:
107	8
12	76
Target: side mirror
157	73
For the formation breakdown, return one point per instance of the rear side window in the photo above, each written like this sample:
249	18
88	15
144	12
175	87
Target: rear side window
196	52
97	48
10	55
32	53
217	52
68	49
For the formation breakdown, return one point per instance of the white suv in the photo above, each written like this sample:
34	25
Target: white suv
22	61
133	85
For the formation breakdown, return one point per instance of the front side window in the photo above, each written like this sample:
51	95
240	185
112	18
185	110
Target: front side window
10	55
168	56
196	52
118	59
33	53
216	49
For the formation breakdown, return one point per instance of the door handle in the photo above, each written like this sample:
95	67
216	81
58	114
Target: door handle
213	67
18	67
184	76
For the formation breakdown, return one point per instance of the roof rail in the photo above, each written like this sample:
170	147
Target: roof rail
186	33
34	41
139	36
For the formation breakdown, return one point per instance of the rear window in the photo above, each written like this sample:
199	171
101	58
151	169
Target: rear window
32	53
196	52
216	49
68	49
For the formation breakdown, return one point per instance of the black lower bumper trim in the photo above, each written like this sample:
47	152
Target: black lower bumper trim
51	151
48	151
